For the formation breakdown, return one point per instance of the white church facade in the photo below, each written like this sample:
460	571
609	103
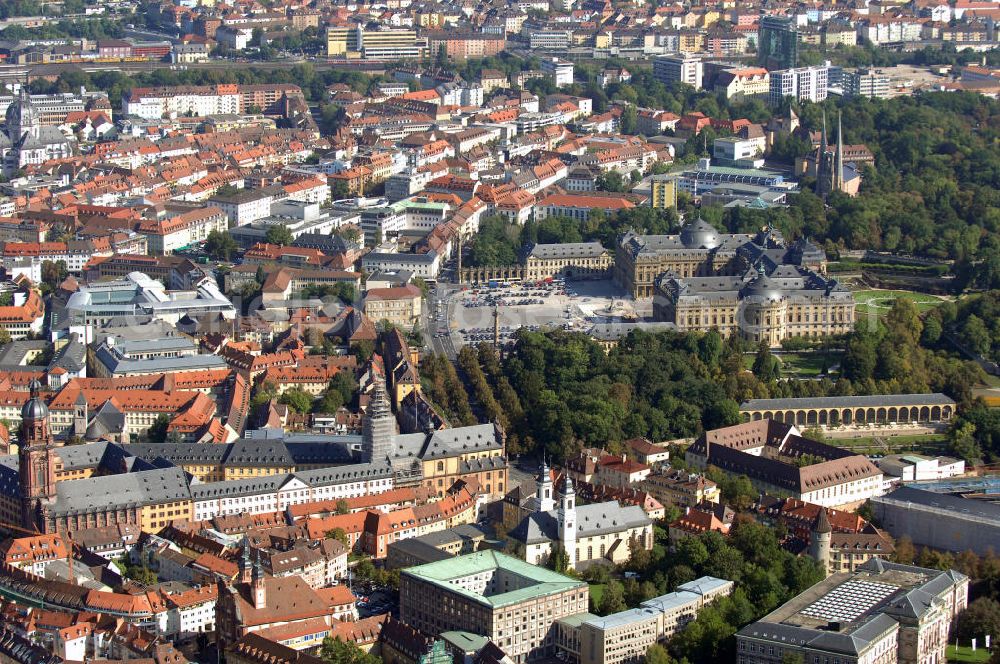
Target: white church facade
594	533
25	141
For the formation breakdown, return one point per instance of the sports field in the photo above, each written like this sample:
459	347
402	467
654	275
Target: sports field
880	301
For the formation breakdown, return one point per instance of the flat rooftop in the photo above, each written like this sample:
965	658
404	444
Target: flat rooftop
841	600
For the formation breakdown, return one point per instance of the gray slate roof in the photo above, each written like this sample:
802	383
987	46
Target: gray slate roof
869	401
567	250
142	488
593	519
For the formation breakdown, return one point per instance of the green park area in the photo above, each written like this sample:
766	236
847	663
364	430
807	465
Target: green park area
808	364
966	654
803	364
930	444
596	593
880	301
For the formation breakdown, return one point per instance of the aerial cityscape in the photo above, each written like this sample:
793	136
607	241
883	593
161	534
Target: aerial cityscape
525	332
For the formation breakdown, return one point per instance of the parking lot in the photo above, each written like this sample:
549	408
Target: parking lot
571	306
376	602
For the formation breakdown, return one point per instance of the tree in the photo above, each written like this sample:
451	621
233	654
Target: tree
765	365
4	336
657	654
140	574
296	399
905	552
363	349
343	507
340	535
220	245
962	440
53	272
629	120
859	359
980	618
558	559
157	432
611	181
335	651
340	190
613	599
279	234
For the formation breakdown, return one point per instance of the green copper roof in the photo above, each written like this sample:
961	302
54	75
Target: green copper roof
538	581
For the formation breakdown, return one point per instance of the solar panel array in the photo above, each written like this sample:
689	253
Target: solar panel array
848	601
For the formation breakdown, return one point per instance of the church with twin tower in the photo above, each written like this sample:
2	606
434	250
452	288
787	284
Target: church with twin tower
589	534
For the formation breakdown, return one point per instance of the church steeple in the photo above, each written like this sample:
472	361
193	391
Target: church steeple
567	520
257	585
246	567
822	141
838	160
379	427
22	117
36	466
544	491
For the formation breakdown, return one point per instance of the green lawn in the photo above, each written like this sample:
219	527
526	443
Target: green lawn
880	301
965	654
919	444
804	364
596	592
807	364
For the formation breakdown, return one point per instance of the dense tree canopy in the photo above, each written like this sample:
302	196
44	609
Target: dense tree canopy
765	576
559	390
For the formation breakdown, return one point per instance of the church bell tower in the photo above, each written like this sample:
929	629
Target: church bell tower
36	463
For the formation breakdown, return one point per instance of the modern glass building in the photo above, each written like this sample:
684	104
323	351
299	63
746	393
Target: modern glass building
778	42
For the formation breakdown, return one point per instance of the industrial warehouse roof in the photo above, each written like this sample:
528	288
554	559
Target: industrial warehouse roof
871	401
539	580
962	508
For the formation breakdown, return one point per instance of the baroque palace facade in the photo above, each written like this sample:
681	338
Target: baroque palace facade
756	286
699	250
765	308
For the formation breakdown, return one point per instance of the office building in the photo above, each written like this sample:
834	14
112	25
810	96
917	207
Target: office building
706	176
560	70
733	150
625	636
664	192
511	602
883	613
778	42
357	42
872	83
136	297
801	84
680	68
918	468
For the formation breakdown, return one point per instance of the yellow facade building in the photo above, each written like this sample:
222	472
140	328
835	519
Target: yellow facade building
664	192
